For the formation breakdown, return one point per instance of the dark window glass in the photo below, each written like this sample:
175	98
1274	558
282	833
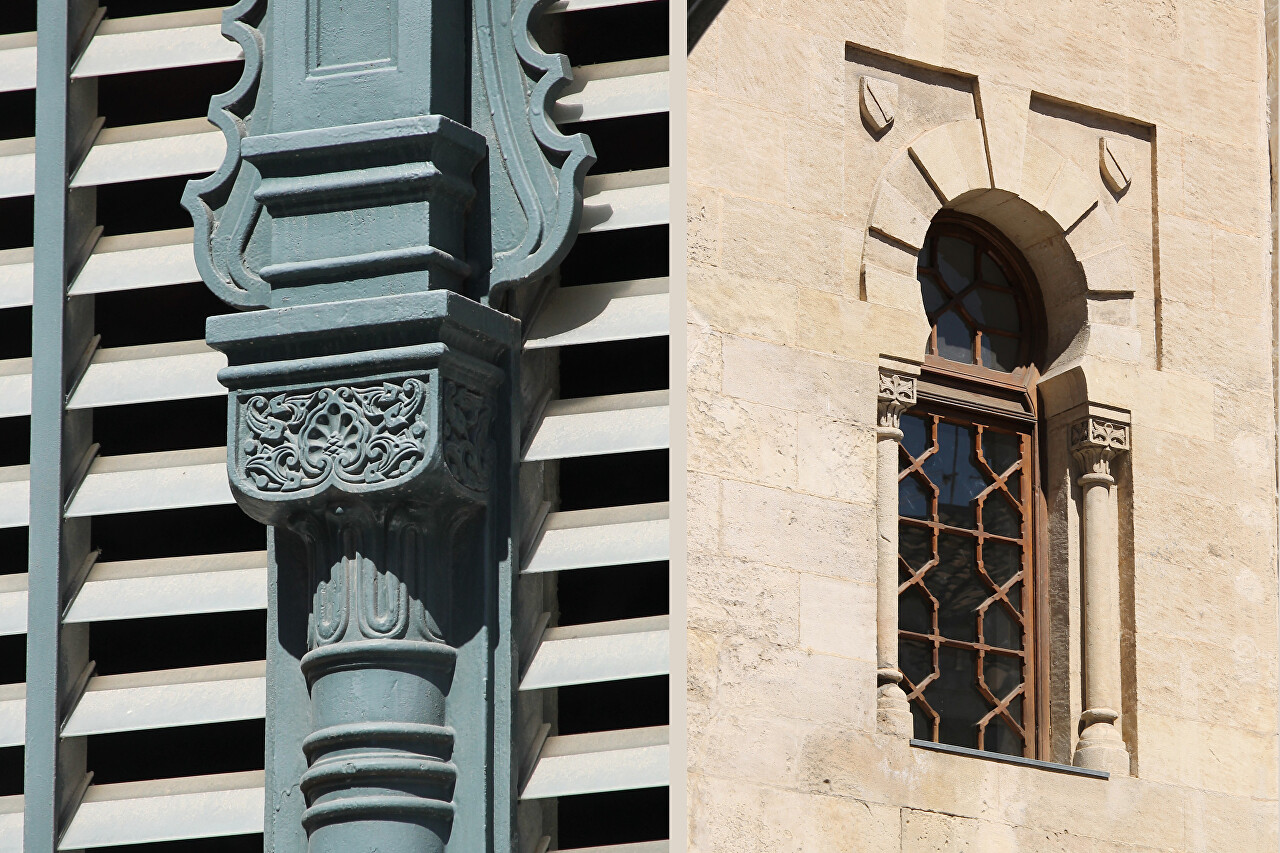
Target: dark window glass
975	299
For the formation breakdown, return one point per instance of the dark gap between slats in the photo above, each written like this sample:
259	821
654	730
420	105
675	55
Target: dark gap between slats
173	642
615	480
177	533
619	817
622	255
610	34
176	752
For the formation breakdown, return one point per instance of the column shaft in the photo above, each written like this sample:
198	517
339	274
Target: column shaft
893	712
1095	444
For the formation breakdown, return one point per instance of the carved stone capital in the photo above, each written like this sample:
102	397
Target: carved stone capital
897	393
1096	442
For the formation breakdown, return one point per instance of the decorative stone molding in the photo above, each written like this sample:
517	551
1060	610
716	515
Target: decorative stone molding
1116	163
1096	442
896	394
878	101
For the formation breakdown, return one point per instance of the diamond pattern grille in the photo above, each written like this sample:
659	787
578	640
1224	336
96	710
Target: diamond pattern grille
964	594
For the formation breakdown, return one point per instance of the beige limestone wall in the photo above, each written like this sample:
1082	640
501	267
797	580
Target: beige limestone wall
784	336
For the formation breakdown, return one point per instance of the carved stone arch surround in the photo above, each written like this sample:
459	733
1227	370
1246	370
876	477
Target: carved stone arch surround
993	168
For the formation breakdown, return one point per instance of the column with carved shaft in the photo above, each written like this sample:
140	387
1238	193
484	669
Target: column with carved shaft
392	196
897	393
1096	443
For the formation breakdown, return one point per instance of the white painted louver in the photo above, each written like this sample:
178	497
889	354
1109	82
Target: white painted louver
592	426
13	714
153	42
11	824
595	313
614	90
142	152
600	651
17	277
15	493
17	167
625	200
153	481
15	388
611	536
17	63
147	374
597	762
587	5
170	586
172	697
134	261
13	604
167	810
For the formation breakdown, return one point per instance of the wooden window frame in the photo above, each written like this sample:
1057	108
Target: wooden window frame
987	396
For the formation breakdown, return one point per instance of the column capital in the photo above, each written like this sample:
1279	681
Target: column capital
896	394
1095	442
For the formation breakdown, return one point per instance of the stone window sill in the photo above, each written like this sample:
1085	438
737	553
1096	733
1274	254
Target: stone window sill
1051	766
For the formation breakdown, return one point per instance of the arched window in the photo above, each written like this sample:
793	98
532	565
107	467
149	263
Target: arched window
967	498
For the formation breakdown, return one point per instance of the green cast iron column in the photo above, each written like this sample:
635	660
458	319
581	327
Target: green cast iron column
392	181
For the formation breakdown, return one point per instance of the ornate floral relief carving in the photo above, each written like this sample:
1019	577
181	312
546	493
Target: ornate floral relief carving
468	449
353	434
897	394
1095	442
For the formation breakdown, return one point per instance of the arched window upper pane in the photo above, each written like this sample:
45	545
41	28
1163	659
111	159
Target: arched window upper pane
975	299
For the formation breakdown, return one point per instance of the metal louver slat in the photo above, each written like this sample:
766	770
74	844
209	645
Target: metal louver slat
595	313
11	824
13	714
17	62
17	167
15	388
167	810
663	846
171	586
592	426
147	374
612	536
587	5
153	481
143	152
594	763
15	494
173	697
152	42
13	604
135	261
602	651
614	90
17	277
625	200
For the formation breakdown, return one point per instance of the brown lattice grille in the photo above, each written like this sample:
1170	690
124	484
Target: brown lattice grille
965	598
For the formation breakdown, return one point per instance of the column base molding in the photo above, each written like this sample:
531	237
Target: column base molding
893	711
1101	747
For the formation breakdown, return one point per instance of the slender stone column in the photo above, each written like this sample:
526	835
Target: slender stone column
1095	444
897	394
